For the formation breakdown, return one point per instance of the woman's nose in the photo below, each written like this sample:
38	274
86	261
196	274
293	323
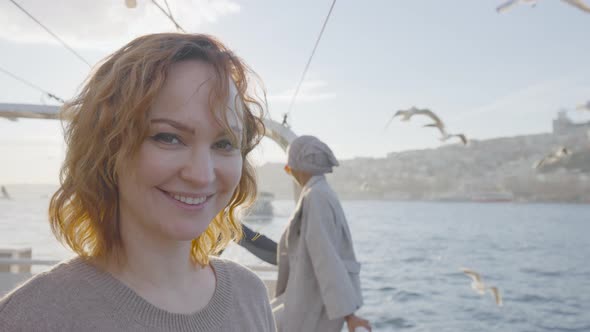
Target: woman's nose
199	168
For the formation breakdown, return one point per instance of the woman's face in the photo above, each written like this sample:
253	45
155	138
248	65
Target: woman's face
188	167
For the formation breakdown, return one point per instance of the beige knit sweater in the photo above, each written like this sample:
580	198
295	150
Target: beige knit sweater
75	296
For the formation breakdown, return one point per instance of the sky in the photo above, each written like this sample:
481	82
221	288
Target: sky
485	74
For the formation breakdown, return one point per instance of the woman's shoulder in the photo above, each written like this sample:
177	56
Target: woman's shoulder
50	280
242	278
238	272
250	305
42	293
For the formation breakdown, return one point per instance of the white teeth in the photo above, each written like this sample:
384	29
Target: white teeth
189	200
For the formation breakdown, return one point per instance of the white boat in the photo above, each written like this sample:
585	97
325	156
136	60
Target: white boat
262	210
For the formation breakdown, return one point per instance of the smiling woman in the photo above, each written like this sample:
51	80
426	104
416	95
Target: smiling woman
154	171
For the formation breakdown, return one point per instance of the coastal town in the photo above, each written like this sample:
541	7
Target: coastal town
499	169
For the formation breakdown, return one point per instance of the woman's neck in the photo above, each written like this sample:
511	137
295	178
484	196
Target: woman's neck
148	255
162	272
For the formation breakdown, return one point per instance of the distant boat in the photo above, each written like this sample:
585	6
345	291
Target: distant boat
492	197
262	209
480	197
5	194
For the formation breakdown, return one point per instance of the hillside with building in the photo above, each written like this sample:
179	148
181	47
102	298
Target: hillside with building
500	169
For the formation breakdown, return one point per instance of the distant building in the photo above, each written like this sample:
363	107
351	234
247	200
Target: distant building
564	125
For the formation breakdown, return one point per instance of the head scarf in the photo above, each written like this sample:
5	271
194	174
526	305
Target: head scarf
309	154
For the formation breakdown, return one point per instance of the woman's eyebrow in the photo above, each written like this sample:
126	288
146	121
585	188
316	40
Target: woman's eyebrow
174	124
235	129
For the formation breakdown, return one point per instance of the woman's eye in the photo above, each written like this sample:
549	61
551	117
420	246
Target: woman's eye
225	145
167	138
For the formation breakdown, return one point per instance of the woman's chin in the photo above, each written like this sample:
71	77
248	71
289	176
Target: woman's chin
187	233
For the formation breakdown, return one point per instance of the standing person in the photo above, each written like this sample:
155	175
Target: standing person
154	171
318	286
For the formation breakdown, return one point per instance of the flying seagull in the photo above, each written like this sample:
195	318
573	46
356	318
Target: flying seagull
476	282
406	115
553	157
446	136
479	286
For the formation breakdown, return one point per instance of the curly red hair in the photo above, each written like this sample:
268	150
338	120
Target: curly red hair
108	123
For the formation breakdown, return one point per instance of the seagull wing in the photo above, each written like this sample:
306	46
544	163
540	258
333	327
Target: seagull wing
496	293
579	4
506	5
462	137
389	122
441	129
431	115
405	114
472	274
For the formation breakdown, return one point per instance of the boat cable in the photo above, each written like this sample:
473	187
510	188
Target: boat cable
285	116
22	80
168	14
52	34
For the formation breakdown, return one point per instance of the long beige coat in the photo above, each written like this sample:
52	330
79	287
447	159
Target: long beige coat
318	279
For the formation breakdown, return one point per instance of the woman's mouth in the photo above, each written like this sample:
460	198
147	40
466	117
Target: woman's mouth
188	201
